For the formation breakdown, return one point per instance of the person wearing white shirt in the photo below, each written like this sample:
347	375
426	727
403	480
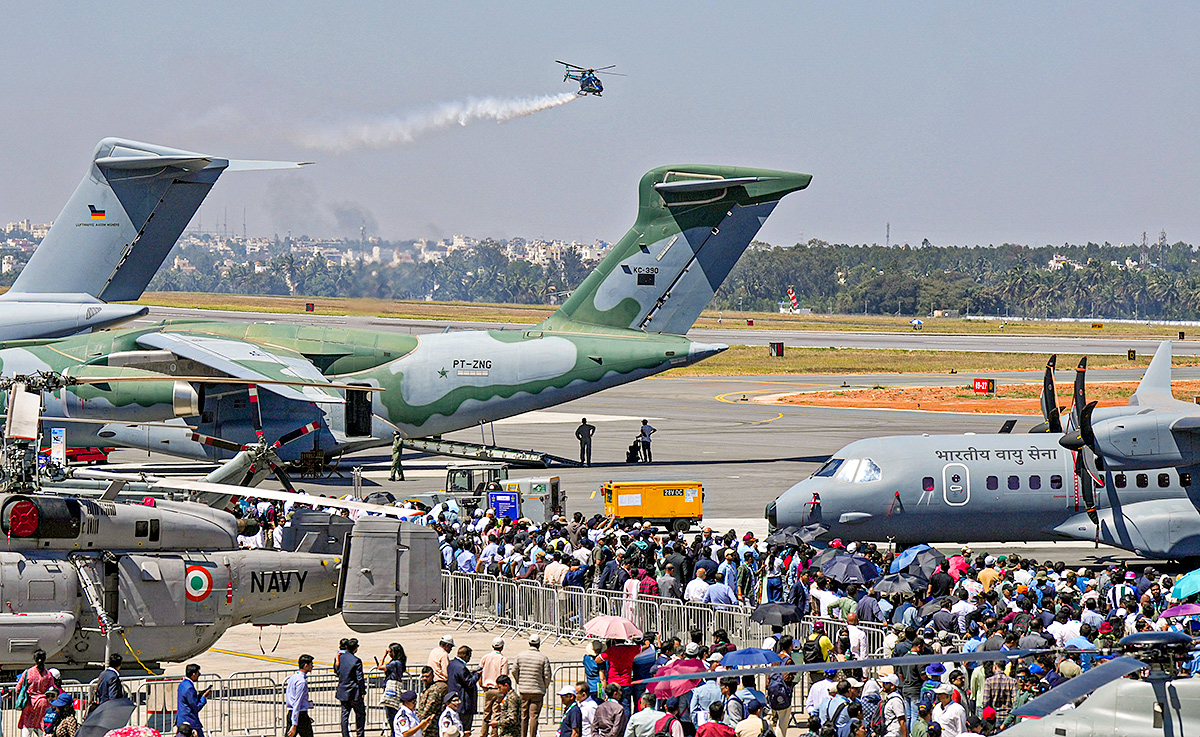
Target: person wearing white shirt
952	716
858	638
819	693
587	707
697	587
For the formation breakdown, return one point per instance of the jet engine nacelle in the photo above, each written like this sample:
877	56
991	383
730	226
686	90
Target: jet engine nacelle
1139	442
153	400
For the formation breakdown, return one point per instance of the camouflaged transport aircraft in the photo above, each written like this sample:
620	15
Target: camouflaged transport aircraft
626	321
111	237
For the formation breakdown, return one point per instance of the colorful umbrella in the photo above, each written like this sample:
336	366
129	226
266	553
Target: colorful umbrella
608	627
1182	610
1186	586
668	689
750	656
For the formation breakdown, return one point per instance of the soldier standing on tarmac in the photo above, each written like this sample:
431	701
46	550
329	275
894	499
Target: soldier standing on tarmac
397	458
584	434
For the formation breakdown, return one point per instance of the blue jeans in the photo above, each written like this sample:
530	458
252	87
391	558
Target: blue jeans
774	588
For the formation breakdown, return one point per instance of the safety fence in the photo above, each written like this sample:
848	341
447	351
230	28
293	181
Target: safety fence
477	601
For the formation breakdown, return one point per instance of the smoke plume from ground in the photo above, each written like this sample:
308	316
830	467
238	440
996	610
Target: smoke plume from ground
397	131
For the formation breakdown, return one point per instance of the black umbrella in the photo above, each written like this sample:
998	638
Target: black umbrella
929	609
785	536
850	569
925	563
808	533
112	714
826	555
900	583
778	615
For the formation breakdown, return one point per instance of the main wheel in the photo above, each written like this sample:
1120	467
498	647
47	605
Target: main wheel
681	525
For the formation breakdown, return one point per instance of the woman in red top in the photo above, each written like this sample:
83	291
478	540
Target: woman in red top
619	657
38	680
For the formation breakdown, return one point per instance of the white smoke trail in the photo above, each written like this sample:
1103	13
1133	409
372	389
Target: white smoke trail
396	131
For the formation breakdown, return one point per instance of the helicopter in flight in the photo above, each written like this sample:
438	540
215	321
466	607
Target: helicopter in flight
589	83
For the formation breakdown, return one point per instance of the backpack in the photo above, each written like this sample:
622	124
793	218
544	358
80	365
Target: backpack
662	728
1020	623
836	713
878	726
779	692
811	649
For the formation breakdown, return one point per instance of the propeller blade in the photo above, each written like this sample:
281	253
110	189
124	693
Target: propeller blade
613	74
297	433
256	414
1049	400
221	443
1080	394
249	475
1085	426
1087	481
610	66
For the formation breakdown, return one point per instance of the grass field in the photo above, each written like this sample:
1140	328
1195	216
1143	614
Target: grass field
483	312
754	360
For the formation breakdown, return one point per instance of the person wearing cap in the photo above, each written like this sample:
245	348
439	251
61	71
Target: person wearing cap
65	722
491	667
644	434
754	725
406	723
671	724
893	715
820	691
595	669
571	724
450	723
531	670
439	658
933	679
296	701
951	716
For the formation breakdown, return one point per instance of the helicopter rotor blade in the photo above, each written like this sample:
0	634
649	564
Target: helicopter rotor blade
1080	685
256	415
297	433
221	443
610	66
280	474
612	74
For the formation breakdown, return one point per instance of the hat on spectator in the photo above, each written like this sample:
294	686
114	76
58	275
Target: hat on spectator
1105	628
535	639
63	699
447	640
753	706
673	702
715	658
451	696
408	696
990	560
945	688
989	714
891	678
566	691
854	683
692	649
935	669
1130	575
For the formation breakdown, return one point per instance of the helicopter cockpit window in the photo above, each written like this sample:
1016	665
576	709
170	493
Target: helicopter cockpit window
868	471
830	467
848	470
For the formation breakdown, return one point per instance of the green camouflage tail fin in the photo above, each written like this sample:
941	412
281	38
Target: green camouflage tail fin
693	224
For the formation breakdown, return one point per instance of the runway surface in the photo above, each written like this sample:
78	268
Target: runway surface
923	340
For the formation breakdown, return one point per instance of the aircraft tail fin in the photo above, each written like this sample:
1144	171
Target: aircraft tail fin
1155	387
693	224
122	220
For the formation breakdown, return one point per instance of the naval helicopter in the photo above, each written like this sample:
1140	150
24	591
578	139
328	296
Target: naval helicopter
98	563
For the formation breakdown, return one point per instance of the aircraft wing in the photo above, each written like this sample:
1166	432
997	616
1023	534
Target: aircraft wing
250	361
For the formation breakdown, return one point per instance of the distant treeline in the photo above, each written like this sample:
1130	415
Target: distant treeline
1006	280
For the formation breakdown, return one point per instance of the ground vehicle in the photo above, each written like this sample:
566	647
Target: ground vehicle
474	477
674	504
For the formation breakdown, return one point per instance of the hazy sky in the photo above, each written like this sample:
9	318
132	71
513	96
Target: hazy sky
958	122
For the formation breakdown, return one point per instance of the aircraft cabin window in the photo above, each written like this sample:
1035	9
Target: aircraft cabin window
1185	480
1035	482
1164	480
1056	482
848	470
927	483
830	467
141	528
155	528
868	471
1119	481
1014	483
1142	480
993	483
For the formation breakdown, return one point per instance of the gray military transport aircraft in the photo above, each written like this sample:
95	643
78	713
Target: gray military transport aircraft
1003	487
111	238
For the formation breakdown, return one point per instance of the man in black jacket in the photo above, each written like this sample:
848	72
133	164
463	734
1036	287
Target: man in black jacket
352	689
109	686
465	682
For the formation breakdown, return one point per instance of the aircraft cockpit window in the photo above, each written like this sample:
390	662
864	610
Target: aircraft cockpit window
1119	481
830	467
868	471
1185	480
848	470
927	483
1142	480
1164	480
